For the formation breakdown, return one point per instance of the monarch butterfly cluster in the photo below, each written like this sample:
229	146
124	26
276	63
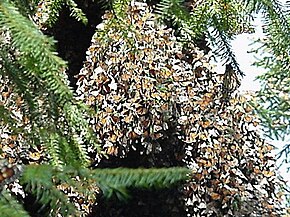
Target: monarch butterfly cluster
14	151
137	87
144	87
43	13
83	201
12	146
232	163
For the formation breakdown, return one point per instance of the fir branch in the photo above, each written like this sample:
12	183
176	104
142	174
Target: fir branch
10	207
275	82
190	25
12	70
38	180
37	55
221	41
116	181
224	20
77	13
111	181
58	111
54	149
119	8
50	10
253	6
277	29
26	7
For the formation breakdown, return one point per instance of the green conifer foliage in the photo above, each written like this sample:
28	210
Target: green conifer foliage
47	12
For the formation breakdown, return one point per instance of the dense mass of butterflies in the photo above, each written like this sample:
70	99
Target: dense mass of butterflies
146	88
43	13
15	150
14	147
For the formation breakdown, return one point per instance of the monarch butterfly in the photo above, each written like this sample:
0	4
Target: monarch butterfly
231	82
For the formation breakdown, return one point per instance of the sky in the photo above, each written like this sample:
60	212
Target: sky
241	46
